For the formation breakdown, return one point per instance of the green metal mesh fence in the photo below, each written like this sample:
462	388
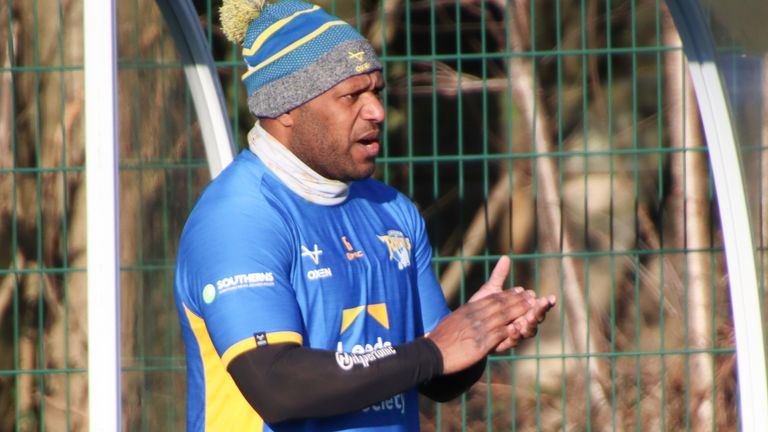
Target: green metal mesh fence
562	133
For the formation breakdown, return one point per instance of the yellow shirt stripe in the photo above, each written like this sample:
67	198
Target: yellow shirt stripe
225	407
250	343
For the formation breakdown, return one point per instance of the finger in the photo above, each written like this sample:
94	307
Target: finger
543	305
552	300
493	313
487	339
506	344
531	296
500	272
528	325
483	292
501	309
497	311
491	287
513	339
506	301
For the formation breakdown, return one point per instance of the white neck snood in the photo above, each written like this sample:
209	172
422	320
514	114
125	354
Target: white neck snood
299	177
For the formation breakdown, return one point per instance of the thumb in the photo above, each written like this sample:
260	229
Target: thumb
500	273
483	292
495	282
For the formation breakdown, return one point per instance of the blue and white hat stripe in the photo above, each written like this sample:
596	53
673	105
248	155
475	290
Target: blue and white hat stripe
299	58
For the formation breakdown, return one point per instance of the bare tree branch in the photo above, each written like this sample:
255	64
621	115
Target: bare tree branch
689	187
6	125
555	233
6	93
8	285
383	29
26	401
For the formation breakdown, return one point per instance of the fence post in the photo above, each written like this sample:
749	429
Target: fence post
101	150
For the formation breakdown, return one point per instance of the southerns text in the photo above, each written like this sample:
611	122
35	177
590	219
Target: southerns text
245	280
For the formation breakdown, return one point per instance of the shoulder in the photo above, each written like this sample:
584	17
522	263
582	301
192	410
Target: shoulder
236	228
388	199
381	193
235	209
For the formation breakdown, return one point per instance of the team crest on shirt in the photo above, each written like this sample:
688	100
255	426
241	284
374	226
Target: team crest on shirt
399	248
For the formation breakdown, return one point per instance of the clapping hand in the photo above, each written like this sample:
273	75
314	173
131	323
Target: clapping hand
493	319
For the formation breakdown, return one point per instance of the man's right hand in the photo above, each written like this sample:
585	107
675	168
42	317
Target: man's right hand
493	319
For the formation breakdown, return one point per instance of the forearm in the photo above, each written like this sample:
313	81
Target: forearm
443	388
286	381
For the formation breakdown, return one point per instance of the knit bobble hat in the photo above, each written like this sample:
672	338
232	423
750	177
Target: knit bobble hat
294	51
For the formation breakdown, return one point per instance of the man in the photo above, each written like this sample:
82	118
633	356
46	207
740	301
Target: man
304	288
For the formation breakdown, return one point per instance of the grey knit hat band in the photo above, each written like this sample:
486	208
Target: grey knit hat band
347	59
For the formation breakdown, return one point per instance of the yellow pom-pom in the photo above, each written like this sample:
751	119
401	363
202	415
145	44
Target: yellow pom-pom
236	15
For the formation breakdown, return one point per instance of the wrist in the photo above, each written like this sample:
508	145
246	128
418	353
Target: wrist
433	352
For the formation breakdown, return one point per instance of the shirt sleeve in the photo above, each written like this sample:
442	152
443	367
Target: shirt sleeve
432	301
237	258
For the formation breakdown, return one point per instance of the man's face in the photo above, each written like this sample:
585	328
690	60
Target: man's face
337	133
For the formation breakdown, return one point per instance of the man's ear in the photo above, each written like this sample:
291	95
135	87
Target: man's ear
286	119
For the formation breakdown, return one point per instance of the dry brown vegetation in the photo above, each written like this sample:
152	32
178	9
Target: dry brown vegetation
625	236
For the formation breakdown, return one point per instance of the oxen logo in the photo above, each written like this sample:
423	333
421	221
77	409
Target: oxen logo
399	248
314	254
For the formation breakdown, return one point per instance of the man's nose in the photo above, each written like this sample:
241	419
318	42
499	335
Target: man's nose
373	109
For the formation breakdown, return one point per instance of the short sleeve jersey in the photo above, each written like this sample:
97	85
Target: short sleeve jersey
258	265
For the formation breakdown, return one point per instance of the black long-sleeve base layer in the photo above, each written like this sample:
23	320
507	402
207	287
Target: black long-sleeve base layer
307	383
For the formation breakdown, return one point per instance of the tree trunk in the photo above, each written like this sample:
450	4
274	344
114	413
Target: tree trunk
554	232
690	213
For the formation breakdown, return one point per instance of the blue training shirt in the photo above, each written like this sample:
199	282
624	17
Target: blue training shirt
258	264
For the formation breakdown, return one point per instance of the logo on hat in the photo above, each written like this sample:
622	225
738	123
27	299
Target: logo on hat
359	56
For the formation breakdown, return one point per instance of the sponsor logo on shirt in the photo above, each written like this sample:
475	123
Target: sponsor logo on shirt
364	348
314	255
377	311
244	280
209	293
319	273
364	353
351	254
395	403
347	361
399	247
